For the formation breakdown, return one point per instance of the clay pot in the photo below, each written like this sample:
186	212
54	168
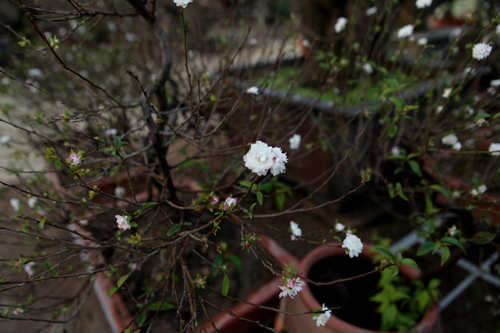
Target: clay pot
307	299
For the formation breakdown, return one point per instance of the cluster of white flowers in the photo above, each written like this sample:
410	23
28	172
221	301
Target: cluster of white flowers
340	25
122	222
296	231
352	245
253	91
261	158
480	190
295	141
182	3
453	230
423	3
291	287
371	11
481	51
322	319
405	31
447	92
494	149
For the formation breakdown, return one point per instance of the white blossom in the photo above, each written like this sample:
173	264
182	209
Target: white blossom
371	11
182	3
295	141
84	222
474	192
252	41
353	245
339	227
322	319
457	146
423	3
4	139
422	41
340	25
453	230
253	91
259	158
292	287
230	202
495	83
395	150
32	202
482	188
494	149
279	160
480	122
440	109
447	92
122	222
15	203
111	131
35	72
449	140
481	51
455	194
405	31
296	231
28	268
368	68
120	191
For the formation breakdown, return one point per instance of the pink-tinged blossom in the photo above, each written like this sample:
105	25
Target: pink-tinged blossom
481	51
296	231
215	201
122	222
322	319
453	230
292	287
28	268
75	159
229	202
353	245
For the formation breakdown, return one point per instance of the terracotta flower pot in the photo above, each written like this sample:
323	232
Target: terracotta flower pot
307	301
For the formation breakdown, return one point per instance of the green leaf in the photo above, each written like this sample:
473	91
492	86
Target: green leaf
173	230
398	102
122	280
441	189
245	183
259	198
156	305
149	204
426	247
483	237
225	285
217	262
280	200
481	116
383	251
409	262
235	260
42	223
415	167
203	168
445	255
118	142
112	291
393	130
454	241
396	271
186	164
141	320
